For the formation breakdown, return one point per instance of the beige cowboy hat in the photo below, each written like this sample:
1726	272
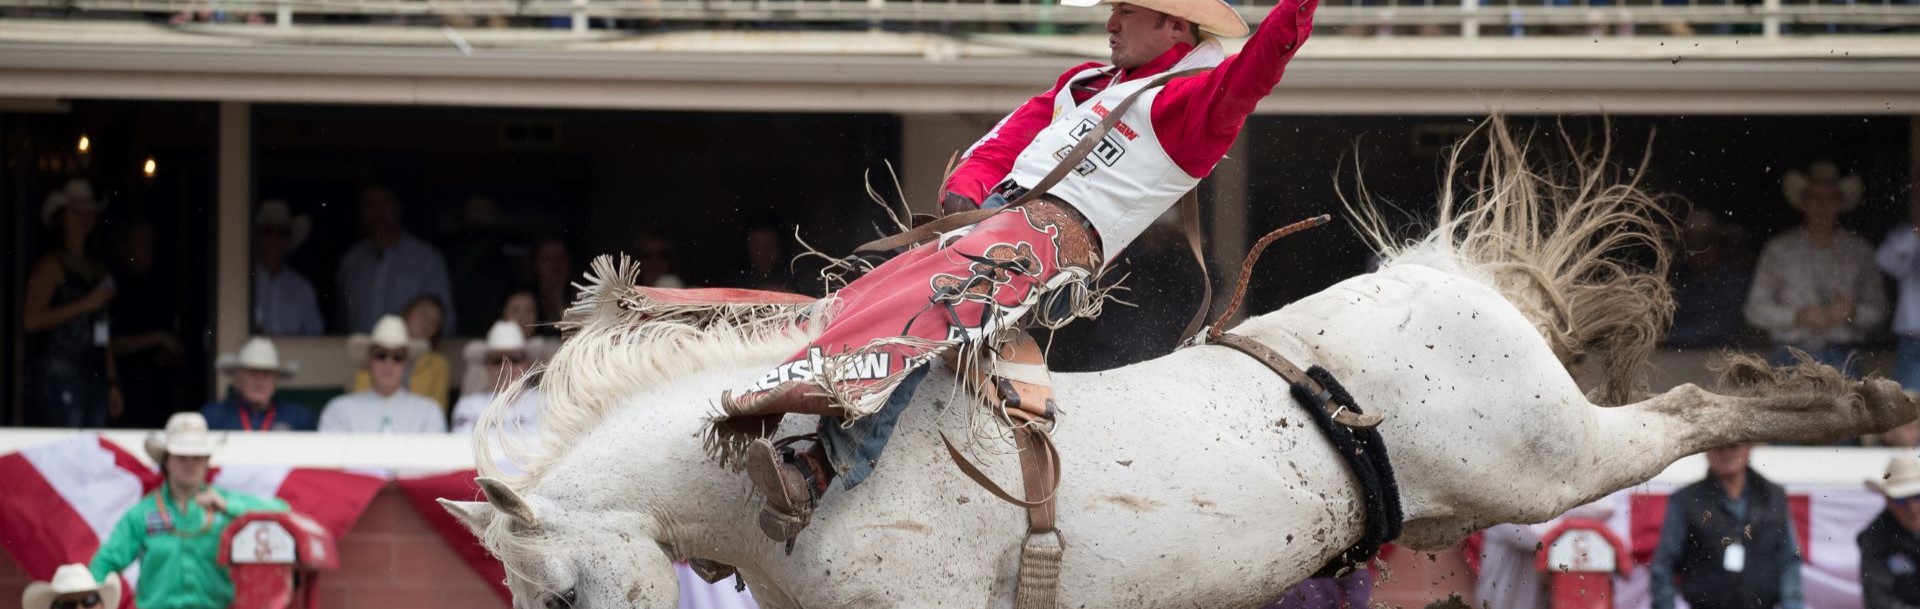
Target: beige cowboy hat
77	193
388	333
1902	479
1213	16
275	212
70	579
1794	185
257	354
503	337
185	435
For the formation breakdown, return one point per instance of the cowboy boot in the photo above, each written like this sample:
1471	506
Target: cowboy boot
791	481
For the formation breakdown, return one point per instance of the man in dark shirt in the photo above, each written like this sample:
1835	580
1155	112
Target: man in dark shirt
252	405
1890	547
1729	540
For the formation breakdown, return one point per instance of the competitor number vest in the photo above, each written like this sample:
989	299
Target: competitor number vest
1126	182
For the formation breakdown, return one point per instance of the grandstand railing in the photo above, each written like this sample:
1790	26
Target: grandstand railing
1464	18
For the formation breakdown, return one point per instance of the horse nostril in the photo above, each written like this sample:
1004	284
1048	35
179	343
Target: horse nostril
563	600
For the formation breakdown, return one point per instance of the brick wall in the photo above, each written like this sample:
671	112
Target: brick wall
393	560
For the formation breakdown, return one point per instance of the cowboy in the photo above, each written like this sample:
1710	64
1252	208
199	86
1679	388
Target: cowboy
1815	288
175	531
1173	120
252	406
1890	545
385	406
283	299
504	357
72	587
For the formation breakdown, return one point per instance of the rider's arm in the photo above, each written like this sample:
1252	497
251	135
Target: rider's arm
1197	118
989	160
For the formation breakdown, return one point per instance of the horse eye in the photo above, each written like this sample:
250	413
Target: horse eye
563	600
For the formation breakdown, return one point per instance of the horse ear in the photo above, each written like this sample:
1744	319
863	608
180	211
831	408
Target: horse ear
508	502
476	515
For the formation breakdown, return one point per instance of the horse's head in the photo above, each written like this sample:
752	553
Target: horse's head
558	558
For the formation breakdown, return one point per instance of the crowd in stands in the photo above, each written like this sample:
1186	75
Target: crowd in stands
1816	291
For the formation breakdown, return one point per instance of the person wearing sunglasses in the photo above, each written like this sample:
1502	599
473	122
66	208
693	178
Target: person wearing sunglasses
72	587
385	406
174	532
504	357
1890	545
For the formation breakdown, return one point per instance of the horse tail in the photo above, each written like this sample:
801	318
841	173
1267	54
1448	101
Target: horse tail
1577	249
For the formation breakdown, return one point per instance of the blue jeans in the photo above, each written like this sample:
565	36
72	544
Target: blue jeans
855	449
1838	356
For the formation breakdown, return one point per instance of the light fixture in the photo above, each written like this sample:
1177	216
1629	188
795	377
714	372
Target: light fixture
148	168
85	144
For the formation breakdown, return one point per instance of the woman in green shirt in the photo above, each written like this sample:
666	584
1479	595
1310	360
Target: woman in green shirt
175	531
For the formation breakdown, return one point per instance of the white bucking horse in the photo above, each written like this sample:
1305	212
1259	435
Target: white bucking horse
1192	480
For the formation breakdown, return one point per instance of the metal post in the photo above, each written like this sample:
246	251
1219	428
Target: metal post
1470	24
580	17
1770	28
283	14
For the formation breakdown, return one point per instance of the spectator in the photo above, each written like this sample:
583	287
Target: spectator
429	373
380	275
1890	545
72	587
504	357
146	353
283	299
386	407
1728	540
1899	257
1815	289
519	308
552	283
252	406
175	531
1712	281
74	383
659	262
1508	578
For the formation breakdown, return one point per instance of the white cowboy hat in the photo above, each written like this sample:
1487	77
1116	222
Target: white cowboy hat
1213	16
275	212
1795	184
388	333
1902	479
77	193
257	354
504	336
70	579
185	435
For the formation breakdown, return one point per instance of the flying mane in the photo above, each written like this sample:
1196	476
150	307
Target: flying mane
619	343
1552	243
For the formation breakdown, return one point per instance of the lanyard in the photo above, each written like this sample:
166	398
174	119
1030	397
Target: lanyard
246	421
166	517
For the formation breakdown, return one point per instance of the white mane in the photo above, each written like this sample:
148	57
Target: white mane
619	344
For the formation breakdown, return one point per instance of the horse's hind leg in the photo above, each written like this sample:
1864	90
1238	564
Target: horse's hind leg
1806	404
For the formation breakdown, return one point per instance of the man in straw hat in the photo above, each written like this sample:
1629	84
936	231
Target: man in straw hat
1890	545
504	356
1815	288
175	531
256	372
386	406
283	299
72	587
1176	103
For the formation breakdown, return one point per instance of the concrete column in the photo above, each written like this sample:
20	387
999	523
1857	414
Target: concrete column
233	195
1227	238
927	143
